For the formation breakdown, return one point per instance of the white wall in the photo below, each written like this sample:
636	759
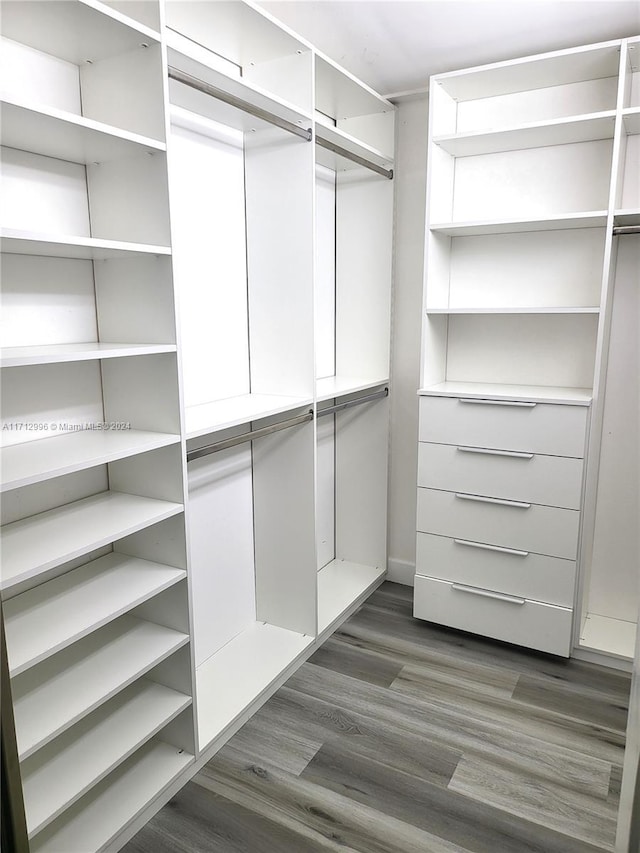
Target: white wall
410	184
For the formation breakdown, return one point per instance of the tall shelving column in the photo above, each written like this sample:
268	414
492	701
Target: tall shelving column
94	585
518	245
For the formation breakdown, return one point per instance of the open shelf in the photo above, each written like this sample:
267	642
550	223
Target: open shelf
605	634
234	411
560	222
44	620
67	136
35	461
60	773
631	120
532	393
247	666
84	676
590	309
74	31
585	128
60	246
627	216
341	586
59	353
41	542
100	815
335	136
339	94
331	387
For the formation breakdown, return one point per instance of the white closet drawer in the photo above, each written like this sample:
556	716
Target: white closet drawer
509	618
550	480
521	573
525	526
556	430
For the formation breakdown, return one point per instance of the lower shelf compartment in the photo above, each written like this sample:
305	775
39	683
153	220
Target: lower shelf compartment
247	666
91	823
612	636
341	586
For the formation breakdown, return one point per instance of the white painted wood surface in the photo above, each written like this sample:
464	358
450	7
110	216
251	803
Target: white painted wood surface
340	584
325	480
234	411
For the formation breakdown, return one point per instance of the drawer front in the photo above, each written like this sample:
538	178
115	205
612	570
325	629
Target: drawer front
529	527
525	623
547	579
555	430
538	479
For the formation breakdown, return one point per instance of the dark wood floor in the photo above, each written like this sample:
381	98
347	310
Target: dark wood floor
402	737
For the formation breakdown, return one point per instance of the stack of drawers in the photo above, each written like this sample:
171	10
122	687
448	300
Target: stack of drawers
499	497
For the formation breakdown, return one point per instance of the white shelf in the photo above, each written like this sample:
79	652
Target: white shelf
99	816
560	222
335	136
66	136
612	636
60	773
41	542
50	617
59	353
340	95
74	31
84	676
35	461
591	309
67	246
489	391
234	411
627	216
342	584
631	120
247	666
332	387
586	128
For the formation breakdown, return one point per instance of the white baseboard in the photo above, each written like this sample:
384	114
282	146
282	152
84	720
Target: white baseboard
400	571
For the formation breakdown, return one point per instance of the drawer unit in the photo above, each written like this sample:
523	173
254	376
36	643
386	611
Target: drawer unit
551	429
524	526
510	618
518	476
520	573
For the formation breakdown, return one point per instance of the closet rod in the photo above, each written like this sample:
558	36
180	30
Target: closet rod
245	106
337	149
247	436
622	230
350	403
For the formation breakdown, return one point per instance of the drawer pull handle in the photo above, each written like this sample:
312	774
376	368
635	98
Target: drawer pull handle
491	547
475	401
483	450
485	593
516	504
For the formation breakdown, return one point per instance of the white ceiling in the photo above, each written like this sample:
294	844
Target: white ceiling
395	45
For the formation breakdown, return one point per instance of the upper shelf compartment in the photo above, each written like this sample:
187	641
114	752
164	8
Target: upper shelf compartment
245	53
53	52
534	89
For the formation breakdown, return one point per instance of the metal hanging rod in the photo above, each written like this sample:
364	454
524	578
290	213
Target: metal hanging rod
343	152
245	106
226	443
330	410
622	230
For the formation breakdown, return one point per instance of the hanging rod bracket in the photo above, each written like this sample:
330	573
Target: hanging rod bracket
349	404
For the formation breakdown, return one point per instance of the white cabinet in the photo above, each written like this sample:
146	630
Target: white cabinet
531	163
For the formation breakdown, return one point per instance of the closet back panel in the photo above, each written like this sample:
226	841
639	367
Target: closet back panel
209	260
630	189
326	490
616	546
38	78
325	280
222	548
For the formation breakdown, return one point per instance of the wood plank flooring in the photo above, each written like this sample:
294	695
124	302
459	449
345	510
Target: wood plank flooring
402	737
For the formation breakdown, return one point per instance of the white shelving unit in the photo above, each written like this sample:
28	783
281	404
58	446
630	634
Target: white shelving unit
526	165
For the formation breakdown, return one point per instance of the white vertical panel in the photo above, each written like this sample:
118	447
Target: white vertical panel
163	543
142	391
221	546
38	77
43	194
631	186
362	439
157	474
376	130
46	301
289	77
29	500
325	490
209	257
616	547
363	279
285	530
279	190
325	277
